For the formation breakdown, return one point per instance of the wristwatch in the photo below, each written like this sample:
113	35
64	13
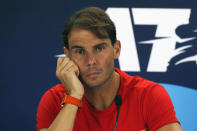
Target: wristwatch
71	100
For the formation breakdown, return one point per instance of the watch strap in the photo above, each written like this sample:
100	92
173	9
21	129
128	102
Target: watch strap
71	100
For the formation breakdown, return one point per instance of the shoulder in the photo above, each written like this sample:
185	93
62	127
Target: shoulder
49	106
54	94
149	93
150	98
139	88
147	87
57	89
135	83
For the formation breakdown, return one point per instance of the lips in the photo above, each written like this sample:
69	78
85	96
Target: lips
92	74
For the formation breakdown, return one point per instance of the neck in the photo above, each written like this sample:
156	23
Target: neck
102	97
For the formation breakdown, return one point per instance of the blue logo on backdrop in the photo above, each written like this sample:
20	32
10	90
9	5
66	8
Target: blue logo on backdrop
158	43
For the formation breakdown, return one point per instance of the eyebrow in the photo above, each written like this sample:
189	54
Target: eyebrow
95	46
100	44
76	46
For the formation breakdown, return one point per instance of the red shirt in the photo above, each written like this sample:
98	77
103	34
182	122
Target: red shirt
145	104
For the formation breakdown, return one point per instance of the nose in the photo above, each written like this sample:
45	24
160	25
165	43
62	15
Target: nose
91	59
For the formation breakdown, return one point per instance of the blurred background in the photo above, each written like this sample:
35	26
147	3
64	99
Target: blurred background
158	43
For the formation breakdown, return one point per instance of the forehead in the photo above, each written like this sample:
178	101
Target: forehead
85	38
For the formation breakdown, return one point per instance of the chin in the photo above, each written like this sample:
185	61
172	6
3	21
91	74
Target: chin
92	83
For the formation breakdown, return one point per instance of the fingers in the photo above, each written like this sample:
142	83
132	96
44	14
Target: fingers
67	72
69	66
74	68
59	61
65	64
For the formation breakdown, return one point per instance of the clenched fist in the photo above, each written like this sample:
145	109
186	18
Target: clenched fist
67	72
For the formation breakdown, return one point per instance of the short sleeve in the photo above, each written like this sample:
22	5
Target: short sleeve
158	108
48	109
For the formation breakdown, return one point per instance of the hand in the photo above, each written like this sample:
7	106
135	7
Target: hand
67	72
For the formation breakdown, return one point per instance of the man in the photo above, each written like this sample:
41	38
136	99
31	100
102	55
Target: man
93	96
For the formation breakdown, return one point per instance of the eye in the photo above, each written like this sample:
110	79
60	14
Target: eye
100	48
79	51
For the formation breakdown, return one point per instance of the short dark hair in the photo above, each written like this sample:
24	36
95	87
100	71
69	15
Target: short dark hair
92	19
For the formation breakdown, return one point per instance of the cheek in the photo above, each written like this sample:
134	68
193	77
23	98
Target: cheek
78	62
108	61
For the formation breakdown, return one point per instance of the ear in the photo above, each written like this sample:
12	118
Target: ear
117	48
66	52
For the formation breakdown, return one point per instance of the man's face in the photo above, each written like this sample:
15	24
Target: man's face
94	56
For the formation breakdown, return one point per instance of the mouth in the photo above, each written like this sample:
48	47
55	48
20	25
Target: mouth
93	74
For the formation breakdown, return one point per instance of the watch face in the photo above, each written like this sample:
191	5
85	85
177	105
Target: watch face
62	101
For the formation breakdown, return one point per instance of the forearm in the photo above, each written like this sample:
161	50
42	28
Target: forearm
67	72
65	119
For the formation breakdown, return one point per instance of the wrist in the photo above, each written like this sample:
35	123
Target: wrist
71	100
77	96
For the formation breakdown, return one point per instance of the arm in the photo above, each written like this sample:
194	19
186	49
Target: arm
171	127
67	73
160	113
66	115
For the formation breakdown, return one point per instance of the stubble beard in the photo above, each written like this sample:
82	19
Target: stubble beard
98	85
